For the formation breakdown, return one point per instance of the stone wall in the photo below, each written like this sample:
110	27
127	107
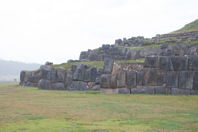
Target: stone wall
158	75
168	44
81	77
125	53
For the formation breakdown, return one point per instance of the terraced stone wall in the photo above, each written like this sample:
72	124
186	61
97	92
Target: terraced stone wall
158	75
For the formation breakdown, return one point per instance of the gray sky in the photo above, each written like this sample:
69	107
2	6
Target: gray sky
57	30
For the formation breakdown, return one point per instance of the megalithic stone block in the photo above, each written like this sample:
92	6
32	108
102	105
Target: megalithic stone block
180	91
131	80
78	85
153	77
142	90
151	62
52	76
108	81
91	74
79	74
165	63
121	79
171	79
185	80
140	76
162	90
44	84
179	63
195	81
58	86
124	90
108	65
193	63
22	77
61	74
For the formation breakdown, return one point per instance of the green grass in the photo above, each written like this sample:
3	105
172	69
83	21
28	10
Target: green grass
131	61
26	109
98	64
140	47
184	41
193	26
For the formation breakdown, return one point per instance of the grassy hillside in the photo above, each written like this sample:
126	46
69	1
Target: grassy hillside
193	26
98	64
24	109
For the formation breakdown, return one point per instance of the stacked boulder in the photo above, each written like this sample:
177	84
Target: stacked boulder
81	77
158	75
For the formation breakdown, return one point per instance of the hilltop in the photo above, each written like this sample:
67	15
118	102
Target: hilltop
193	26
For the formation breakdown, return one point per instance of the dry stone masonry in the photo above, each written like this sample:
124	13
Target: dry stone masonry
164	45
157	75
81	77
170	67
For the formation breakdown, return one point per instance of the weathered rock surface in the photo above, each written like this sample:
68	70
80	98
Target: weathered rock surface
81	77
160	75
108	65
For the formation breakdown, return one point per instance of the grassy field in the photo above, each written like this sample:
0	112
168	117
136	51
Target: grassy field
25	109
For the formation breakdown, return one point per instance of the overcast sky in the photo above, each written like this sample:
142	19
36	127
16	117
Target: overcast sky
57	30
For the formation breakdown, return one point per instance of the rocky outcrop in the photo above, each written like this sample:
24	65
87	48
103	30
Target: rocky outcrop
81	77
157	75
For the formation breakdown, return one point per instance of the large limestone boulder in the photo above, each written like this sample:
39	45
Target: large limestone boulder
26	78
180	91
22	77
58	86
139	80
165	63
195	81
143	90
193	63
153	77
121	79
52	75
68	79
108	65
61	74
91	74
44	84
185	80
162	90
124	90
179	63
171	79
151	62
45	71
78	85
79	74
131	79
108	81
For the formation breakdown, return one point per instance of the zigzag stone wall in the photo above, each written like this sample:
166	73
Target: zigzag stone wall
81	77
157	75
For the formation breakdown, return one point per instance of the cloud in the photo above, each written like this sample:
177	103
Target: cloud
57	30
